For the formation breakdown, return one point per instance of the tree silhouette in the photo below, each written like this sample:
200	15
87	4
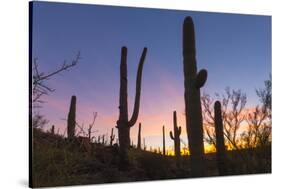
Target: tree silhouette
41	88
39	79
260	120
233	106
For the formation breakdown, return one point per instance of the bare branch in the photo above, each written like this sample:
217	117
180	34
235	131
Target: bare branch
39	87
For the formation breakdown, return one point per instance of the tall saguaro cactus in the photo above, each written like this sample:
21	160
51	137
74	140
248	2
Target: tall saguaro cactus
139	137
220	147
193	81
123	123
164	146
71	119
176	137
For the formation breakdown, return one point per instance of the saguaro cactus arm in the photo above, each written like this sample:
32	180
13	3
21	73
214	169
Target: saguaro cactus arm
138	89
201	78
179	130
171	135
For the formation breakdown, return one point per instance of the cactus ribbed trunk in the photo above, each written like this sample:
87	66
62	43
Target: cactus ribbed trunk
139	137
193	81
220	147
123	123
164	145
176	137
71	119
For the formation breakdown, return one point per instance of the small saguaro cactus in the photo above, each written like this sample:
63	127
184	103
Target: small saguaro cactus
164	146
139	137
176	136
103	139
144	146
220	147
71	119
123	123
53	130
193	81
112	137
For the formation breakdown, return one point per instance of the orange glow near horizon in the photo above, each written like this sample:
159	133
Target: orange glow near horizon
152	121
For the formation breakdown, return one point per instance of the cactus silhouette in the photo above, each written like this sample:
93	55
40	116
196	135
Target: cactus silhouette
112	137
123	123
144	146
193	81
220	147
139	137
53	130
103	140
164	146
176	137
71	119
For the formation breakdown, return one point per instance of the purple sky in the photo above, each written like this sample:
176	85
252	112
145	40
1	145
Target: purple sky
235	49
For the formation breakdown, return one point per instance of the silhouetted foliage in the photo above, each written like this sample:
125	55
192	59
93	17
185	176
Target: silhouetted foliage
38	121
233	114
258	133
39	79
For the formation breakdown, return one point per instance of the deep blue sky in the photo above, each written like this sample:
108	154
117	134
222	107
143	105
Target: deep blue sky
235	49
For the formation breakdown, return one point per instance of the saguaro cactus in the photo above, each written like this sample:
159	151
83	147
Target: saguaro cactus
53	130
164	146
176	137
220	147
144	146
139	137
112	137
123	123
193	81
71	119
103	140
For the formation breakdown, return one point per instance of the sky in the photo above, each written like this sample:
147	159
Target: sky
234	48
